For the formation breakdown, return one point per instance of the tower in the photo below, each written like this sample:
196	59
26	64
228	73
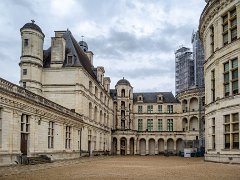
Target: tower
124	104
31	60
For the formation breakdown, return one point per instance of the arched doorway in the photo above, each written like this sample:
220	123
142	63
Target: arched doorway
114	146
142	146
151	146
132	146
160	145
179	145
123	147
170	145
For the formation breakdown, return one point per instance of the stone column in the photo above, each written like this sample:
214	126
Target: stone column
156	146
175	145
147	146
165	144
135	146
16	132
128	146
118	146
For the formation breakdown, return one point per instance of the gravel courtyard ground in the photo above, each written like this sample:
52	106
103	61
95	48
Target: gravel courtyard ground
128	167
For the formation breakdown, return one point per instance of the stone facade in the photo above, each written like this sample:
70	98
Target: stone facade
152	123
220	34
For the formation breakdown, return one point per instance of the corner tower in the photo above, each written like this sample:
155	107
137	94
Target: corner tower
31	60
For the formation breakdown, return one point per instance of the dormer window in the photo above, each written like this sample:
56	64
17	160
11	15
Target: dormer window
140	98
70	59
159	98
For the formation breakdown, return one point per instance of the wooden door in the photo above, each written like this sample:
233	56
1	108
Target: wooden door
24	143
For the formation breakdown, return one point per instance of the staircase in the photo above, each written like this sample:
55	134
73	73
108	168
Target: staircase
42	159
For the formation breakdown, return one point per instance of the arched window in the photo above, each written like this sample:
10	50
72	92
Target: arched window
101	116
105	119
95	113
90	86
96	91
101	96
90	110
123	93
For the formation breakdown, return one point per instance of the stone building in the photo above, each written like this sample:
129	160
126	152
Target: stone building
220	33
64	107
150	123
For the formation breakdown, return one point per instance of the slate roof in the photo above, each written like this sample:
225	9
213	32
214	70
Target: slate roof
151	97
73	48
32	25
123	82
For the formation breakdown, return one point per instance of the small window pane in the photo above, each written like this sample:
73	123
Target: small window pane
226	67
235	74
234	63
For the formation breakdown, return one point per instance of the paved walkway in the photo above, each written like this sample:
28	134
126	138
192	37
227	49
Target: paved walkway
125	167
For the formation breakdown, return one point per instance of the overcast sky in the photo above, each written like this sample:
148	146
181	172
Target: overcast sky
135	39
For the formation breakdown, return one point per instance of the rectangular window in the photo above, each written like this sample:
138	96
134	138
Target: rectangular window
226	79
170	124
150	109
140	124
213	133
159	124
212	39
50	134
25	123
159	108
231	131
25	42
68	137
213	84
225	38
234	70
229	26
140	109
149	124
79	136
169	108
24	71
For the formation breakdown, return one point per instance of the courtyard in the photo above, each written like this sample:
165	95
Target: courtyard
124	167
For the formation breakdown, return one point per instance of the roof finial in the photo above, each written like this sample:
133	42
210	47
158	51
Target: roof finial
82	37
33	21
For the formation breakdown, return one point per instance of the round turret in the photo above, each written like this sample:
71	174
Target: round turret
31	63
32	26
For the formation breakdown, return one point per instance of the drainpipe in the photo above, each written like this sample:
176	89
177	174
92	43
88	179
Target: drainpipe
80	142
